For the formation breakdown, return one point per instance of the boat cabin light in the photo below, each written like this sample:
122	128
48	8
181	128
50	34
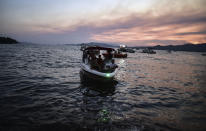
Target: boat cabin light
122	46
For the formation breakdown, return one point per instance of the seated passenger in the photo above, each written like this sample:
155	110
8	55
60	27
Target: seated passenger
84	56
100	63
114	66
108	56
93	61
91	57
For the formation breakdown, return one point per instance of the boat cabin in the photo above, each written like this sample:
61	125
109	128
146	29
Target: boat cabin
99	59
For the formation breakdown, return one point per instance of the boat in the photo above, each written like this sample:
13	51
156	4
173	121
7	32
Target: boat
120	55
148	50
94	67
83	46
123	48
130	50
117	54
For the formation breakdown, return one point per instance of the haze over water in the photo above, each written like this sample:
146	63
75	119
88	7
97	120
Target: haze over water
40	87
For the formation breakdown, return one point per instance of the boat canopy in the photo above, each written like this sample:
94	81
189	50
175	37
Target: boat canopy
99	48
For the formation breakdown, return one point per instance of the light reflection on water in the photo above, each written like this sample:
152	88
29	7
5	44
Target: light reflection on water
40	84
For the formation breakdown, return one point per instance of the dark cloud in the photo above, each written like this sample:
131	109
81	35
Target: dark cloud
83	32
158	42
145	21
164	14
192	33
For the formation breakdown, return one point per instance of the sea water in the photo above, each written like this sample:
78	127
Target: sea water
40	88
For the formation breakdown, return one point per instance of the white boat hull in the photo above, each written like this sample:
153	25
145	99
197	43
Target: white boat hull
97	73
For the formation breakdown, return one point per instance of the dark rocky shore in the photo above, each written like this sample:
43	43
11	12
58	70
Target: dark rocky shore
185	47
7	40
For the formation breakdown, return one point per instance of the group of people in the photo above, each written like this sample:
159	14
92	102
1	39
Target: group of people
95	59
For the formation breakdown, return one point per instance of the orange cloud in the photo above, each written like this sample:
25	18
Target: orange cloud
169	27
130	22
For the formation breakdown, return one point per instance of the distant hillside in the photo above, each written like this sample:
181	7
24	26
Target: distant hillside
7	40
100	44
185	47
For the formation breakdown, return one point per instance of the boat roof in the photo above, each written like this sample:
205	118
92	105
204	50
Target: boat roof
99	48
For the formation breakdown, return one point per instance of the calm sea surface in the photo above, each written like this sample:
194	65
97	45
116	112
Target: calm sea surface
40	88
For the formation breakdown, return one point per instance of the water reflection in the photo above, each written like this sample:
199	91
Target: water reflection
40	85
93	87
95	100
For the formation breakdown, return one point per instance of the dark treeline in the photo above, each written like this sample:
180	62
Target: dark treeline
7	40
185	47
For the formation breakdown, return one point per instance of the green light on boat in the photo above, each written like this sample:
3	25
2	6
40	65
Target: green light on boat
107	75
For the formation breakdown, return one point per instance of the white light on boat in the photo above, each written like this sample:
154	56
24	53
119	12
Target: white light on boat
122	46
107	75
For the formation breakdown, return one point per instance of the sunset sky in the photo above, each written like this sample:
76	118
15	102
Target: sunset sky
131	22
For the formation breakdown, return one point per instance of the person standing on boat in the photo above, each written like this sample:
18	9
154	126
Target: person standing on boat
108	56
114	66
84	56
91	57
100	63
93	60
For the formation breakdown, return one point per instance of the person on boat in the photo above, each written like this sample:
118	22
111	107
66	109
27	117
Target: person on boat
118	51
100	63
108	56
84	56
93	61
91	57
114	66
